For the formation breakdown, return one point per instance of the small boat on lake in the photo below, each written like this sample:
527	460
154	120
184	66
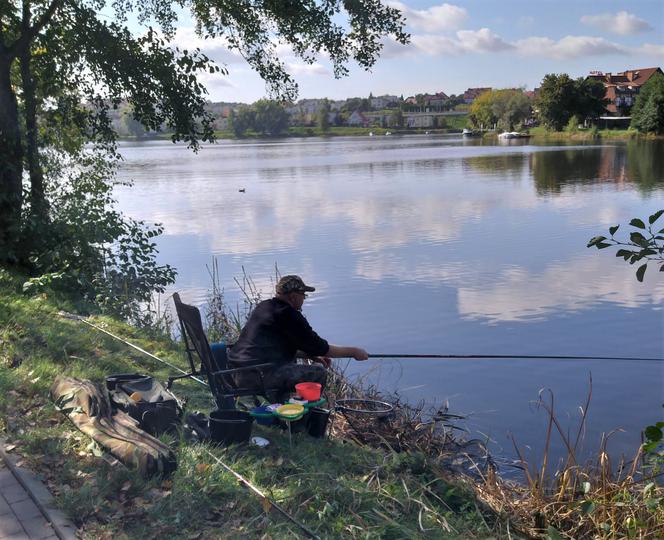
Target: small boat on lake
470	133
513	135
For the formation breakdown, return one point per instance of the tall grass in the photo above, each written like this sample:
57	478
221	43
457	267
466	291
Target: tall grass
579	498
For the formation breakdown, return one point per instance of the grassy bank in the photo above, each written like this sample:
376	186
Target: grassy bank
542	133
336	487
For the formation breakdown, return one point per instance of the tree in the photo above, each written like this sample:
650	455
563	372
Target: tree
556	100
648	111
590	101
270	117
242	120
481	114
508	108
98	61
640	247
396	118
324	116
560	98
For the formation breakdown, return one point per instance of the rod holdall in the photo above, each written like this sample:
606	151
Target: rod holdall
146	400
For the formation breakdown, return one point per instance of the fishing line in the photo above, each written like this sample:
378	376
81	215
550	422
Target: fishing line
241	479
516	356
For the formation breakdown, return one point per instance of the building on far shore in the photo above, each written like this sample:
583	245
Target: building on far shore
472	94
622	88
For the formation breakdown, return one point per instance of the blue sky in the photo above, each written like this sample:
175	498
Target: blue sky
472	43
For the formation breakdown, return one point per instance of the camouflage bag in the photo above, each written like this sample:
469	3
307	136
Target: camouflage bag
88	406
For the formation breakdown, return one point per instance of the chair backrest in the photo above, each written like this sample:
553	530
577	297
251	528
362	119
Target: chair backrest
192	332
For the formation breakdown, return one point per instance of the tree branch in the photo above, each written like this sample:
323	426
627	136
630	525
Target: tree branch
27	36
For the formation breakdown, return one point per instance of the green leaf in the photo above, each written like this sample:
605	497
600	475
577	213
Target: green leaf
613	229
626	254
655	216
553	534
595	239
638	239
641	271
653	433
587	507
636	222
602	245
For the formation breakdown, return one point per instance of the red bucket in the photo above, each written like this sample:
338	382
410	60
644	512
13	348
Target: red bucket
309	390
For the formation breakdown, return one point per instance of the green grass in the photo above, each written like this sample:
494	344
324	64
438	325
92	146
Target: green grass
541	132
337	488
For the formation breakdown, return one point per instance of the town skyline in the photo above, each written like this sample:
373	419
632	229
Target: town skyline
455	46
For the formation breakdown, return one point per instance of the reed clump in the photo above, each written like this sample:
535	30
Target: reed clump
595	499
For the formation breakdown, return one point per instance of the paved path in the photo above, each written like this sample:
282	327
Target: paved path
20	518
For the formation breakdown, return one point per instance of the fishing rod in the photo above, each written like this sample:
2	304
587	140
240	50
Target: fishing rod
73	317
515	356
267	501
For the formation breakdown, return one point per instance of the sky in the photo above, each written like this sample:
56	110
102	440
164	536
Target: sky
473	43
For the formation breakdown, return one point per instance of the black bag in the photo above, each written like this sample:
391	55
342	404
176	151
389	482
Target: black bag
146	400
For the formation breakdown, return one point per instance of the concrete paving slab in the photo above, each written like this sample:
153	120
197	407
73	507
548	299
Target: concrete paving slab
31	513
15	494
4	506
9	524
24	510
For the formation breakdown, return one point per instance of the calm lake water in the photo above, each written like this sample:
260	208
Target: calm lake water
436	245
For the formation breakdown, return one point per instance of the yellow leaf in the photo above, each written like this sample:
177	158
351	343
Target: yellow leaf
202	467
266	504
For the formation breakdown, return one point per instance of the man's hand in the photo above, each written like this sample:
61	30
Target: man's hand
360	354
326	361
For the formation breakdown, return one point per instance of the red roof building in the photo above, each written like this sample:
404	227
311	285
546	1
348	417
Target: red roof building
622	88
471	94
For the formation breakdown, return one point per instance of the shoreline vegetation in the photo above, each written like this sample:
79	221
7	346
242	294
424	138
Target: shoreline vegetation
407	478
537	134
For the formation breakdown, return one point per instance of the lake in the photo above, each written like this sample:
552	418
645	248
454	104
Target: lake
422	245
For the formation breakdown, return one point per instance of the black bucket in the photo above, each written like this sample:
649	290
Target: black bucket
228	426
317	422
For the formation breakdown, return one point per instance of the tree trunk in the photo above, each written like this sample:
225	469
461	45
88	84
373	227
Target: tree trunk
38	202
11	164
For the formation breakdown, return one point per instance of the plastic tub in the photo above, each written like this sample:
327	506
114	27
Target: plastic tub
263	415
309	390
228	426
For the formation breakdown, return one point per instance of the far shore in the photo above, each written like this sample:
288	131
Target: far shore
537	133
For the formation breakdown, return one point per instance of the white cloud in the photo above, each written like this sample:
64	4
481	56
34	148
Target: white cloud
433	45
467	41
214	48
622	23
482	40
655	50
568	47
301	68
434	19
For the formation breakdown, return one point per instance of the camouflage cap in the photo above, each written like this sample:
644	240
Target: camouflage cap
289	284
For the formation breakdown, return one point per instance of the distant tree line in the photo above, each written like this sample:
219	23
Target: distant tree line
265	116
507	108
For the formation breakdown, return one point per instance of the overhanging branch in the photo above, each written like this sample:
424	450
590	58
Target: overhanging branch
28	35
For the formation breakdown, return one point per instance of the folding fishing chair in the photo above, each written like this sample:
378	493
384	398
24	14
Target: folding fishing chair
214	365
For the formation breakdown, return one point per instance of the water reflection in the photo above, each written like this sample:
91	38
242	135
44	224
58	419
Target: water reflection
638	162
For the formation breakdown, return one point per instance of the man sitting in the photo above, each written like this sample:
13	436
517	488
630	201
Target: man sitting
277	333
